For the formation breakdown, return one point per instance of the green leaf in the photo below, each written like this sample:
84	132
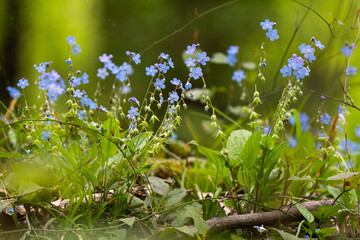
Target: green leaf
211	208
5	154
306	213
287	236
251	149
343	175
335	193
219	58
175	197
235	145
273	156
267	142
110	129
129	221
215	157
324	212
187	230
158	185
354	181
325	232
193	211
306	178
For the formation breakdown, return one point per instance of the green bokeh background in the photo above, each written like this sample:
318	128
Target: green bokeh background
34	31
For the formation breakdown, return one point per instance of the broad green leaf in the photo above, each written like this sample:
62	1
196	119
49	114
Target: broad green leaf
271	159
158	185
335	193
235	145
353	181
343	175
215	157
188	230
306	213
219	58
129	221
325	232
251	149
110	129
140	141
193	211
306	178
267	142
175	197
287	236
211	208
324	212
297	123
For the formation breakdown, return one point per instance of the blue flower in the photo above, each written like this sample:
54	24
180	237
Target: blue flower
196	72
14	93
353	146
308	51
76	49
134	100
325	118
102	73
267	24
101	108
150	71
295	62
164	56
190	62
71	40
347	51
173	97
238	76
286	71
175	82
231	55
163	67
78	94
85	78
159	83
318	44
46	135
82	115
126	68
76	82
23	83
272	34
191	49
202	58
351	71
132	113
292	142
188	86
68	61
301	73
170	62
105	58
172	109
40	68
136	58
357	131
304	118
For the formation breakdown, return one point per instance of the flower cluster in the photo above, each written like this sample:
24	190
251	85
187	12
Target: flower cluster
195	60
51	83
272	34
72	42
296	64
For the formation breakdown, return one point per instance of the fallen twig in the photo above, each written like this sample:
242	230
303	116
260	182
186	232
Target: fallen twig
285	214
